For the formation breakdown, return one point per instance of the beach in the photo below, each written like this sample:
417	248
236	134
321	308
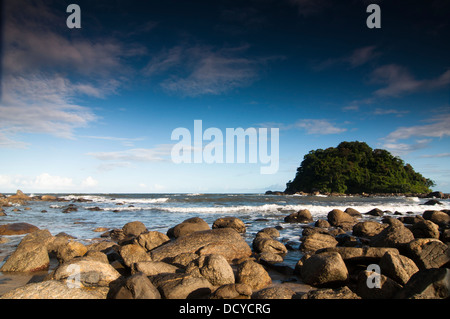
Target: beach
276	238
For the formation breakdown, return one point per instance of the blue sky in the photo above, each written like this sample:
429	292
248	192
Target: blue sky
93	109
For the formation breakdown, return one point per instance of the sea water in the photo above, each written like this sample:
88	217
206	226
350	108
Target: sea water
160	212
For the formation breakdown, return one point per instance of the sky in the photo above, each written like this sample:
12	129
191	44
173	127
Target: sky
93	109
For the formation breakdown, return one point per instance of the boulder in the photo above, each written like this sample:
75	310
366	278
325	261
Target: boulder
19	198
28	257
188	226
329	293
302	216
137	286
368	229
222	241
70	250
152	239
440	218
271	231
439	195
433	283
428	253
316	241
232	222
232	291
274	293
394	236
363	255
134	228
432	202
152	268
322	223
265	243
425	229
338	218
182	286
48	198
215	268
50	289
17	229
398	267
387	290
133	253
83	272
252	274
353	212
375	212
324	269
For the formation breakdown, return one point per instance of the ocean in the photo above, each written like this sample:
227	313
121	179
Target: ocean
162	211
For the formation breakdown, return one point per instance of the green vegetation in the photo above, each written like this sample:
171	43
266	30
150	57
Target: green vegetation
354	168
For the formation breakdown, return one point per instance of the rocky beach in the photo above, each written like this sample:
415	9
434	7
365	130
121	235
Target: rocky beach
343	254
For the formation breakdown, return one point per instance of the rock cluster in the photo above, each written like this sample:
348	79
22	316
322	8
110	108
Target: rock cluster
348	256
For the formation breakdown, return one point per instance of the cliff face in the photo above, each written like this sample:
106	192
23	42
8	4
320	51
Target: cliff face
354	168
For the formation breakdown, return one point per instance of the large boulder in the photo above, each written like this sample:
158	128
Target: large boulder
263	242
341	219
215	268
253	274
70	250
133	253
387	289
51	289
232	222
222	241
17	229
28	257
232	291
398	267
152	239
364	255
395	235
425	229
137	286
83	272
188	226
368	229
317	241
182	286
134	228
438	217
152	268
324	269
428	253
302	216
433	283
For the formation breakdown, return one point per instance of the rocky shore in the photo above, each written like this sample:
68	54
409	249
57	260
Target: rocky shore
348	255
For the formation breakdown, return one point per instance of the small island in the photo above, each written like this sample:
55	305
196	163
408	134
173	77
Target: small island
356	168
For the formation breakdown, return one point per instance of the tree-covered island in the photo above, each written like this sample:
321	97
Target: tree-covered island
356	168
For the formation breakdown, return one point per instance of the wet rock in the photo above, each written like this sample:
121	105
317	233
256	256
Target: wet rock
232	222
188	226
222	241
134	228
17	229
341	219
302	216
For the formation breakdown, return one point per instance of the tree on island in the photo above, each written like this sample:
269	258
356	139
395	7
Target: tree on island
354	168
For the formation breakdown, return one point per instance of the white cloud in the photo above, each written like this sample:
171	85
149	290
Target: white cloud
89	182
202	70
399	149
398	81
319	127
439	127
45	182
158	154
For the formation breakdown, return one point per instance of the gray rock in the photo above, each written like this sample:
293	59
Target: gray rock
134	228
265	243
